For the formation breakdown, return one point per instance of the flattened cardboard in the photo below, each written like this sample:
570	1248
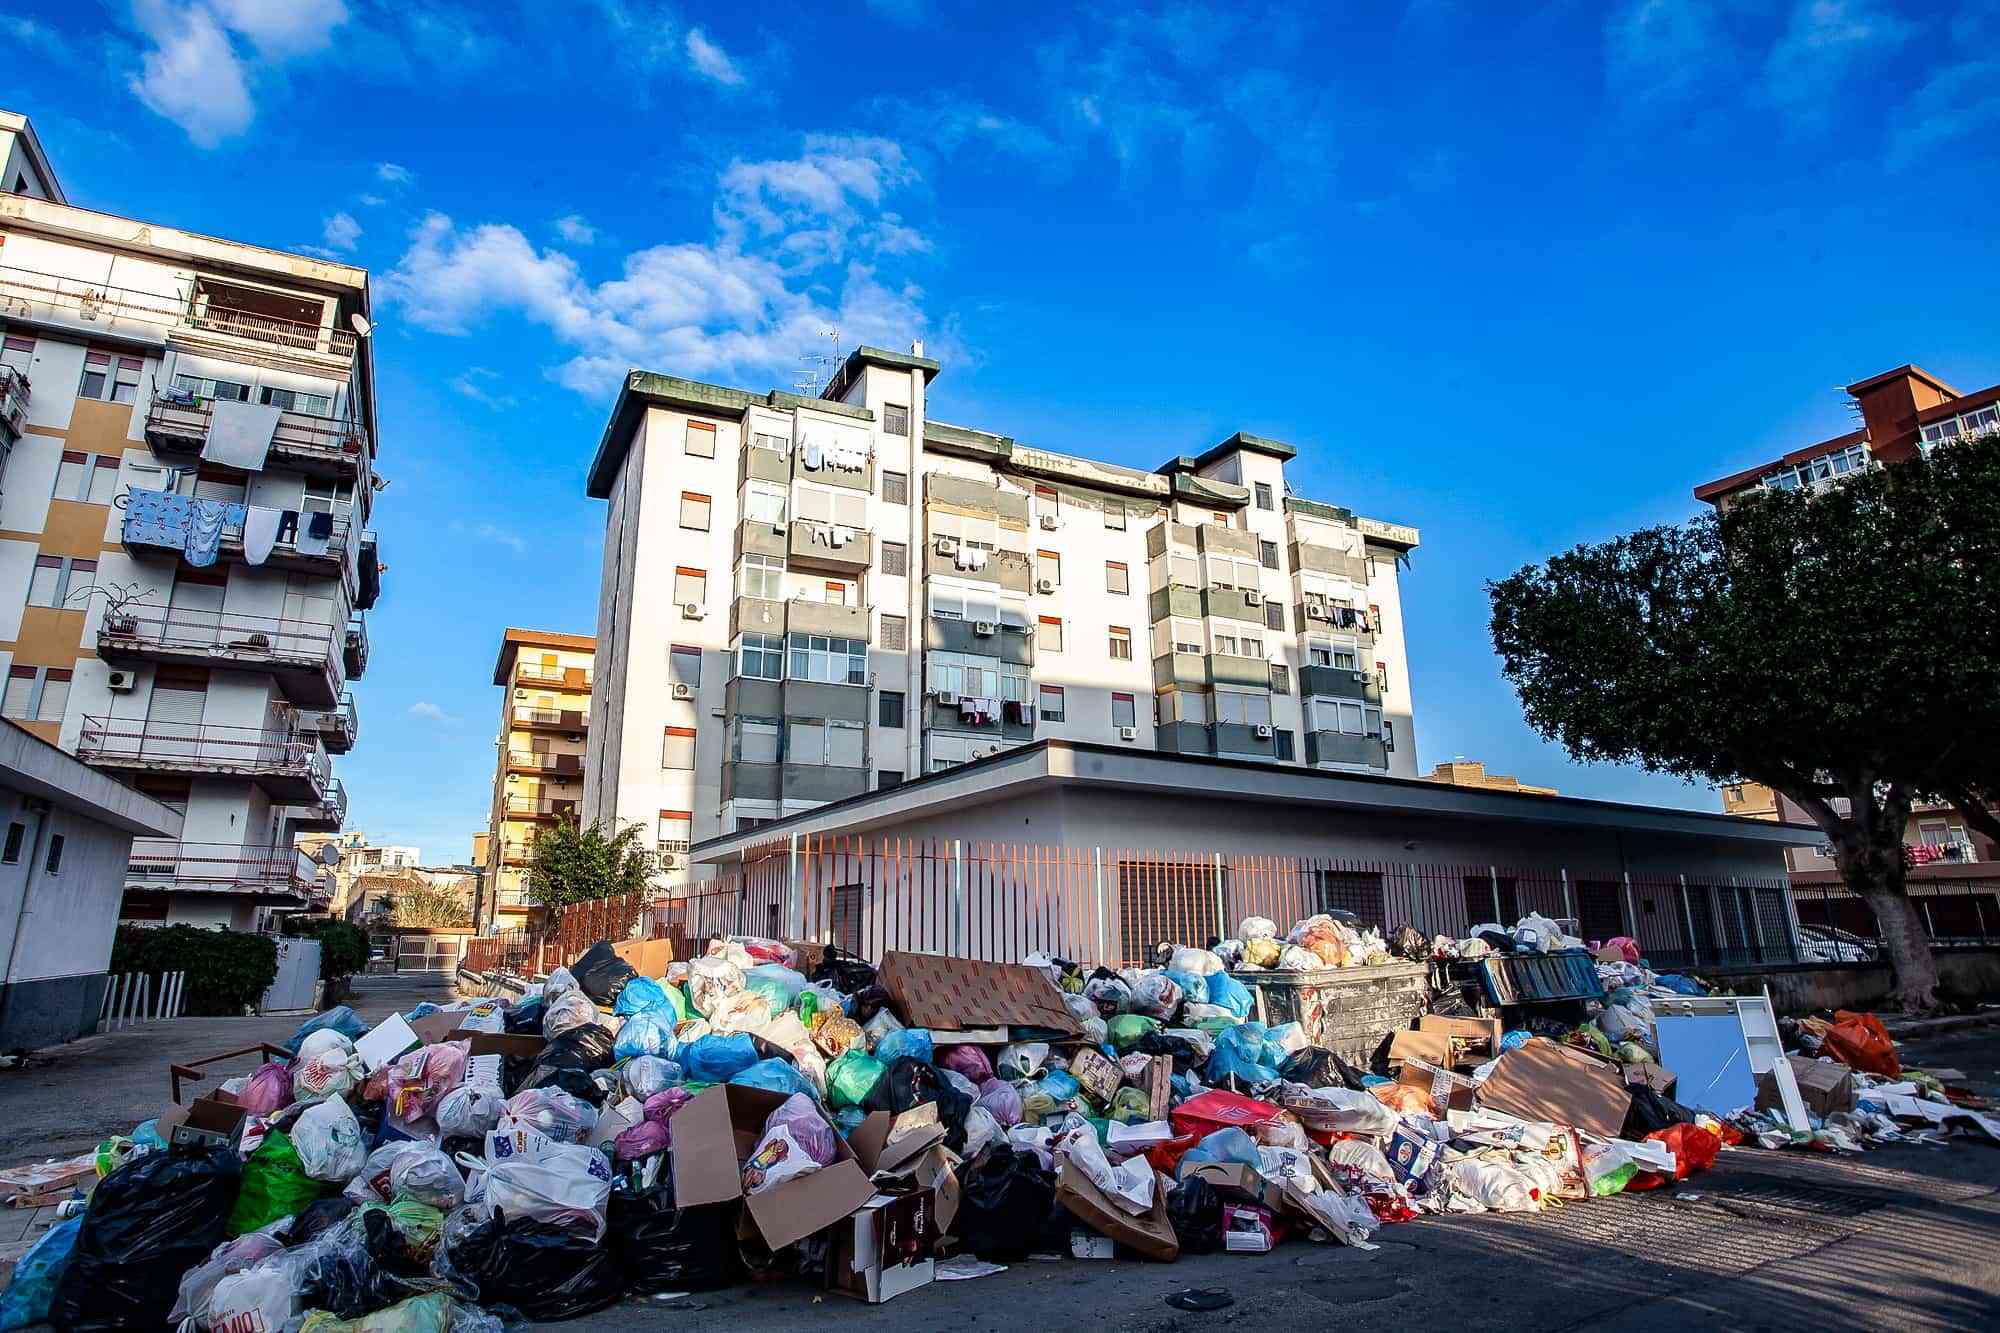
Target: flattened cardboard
434	1028
1433	1048
1480	1035
885	1142
715	1134
1655	1076
932	991
508	1045
1542	1080
1151	1234
1098	1073
649	958
1160	1086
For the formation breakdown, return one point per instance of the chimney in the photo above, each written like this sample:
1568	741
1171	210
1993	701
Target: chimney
1889	404
916	347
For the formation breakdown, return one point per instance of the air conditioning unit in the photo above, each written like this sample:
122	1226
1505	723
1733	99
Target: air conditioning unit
121	682
947	698
1045	586
1263	731
670	861
683	690
1253	598
1049	523
983	628
1128	733
946	546
691	611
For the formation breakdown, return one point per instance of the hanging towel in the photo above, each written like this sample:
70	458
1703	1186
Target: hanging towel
315	533
288	525
206	519
813	456
239	434
156	518
260	532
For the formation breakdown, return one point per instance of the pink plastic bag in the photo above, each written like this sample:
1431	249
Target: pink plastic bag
268	1091
967	1060
1001	1101
1627	947
660	1107
642	1140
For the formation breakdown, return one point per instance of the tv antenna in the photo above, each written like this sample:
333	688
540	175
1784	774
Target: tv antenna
816	367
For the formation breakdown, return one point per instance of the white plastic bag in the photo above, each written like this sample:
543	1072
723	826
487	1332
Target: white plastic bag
740	1011
1346	1217
980	1129
257	1298
566	1186
329	1144
1500	1186
572	1009
1199	962
560	980
469	1110
1352	1112
1129	1185
558	1114
1296	959
427	1176
1257	928
880	1026
711	981
320	1041
1156	996
1023	1059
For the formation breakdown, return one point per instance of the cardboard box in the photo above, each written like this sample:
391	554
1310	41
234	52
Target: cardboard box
1098	1073
213	1118
1447	1090
434	1028
715	1134
955	994
1151	1235
1655	1076
1824	1086
649	958
1237	1183
1543	1080
886	1248
1160	1086
905	1153
507	1045
1433	1048
1410	1154
1481	1036
615	1120
1247	1230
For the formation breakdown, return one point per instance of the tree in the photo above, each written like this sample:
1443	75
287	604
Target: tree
1836	646
568	864
422	903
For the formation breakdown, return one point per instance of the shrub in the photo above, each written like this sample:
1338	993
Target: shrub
227	970
343	949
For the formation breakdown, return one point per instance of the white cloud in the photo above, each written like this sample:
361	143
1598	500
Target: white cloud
370	200
341	231
477	384
1667	50
192	76
391	174
491	532
711	60
28	34
1808	71
576	230
430	712
1954	105
281	29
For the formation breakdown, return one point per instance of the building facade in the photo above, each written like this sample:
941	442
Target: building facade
538	773
188	428
808	598
1472	773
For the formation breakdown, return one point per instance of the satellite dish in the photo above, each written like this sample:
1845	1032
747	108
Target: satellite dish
360	324
327	855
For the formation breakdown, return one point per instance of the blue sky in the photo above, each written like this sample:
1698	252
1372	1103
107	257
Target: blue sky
1520	279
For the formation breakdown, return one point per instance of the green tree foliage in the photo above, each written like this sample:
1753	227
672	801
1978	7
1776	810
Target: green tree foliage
568	864
227	970
1837	646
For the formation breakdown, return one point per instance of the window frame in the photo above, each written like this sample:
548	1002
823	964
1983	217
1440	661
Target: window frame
1043	711
1044	626
699	432
1117	578
1266	498
890	414
1120	637
766	647
901	481
770	575
882	710
704	509
897	553
1131	703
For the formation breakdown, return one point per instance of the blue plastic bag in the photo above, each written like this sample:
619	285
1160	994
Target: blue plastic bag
340	1018
643	995
905	1041
1230	994
1680	985
1515	1040
776	980
776	1075
1243	1051
32	1294
1224	1145
1060	1086
645	1034
1194	987
716	1058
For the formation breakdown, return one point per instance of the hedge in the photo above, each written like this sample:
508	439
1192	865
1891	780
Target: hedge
228	971
343	949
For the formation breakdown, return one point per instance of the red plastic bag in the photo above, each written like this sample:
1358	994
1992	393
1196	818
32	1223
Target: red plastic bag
1859	1041
1693	1147
1167	1156
1215	1109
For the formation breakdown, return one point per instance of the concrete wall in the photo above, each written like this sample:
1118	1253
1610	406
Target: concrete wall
1965	976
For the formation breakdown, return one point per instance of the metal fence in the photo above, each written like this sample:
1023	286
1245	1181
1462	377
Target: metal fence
1956	913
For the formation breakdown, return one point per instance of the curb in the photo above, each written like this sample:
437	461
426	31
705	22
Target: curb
1931	1027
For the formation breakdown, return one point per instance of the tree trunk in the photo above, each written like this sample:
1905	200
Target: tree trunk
1871	865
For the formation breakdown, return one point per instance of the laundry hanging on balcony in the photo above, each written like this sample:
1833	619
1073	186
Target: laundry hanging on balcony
239	434
157	518
206	520
315	533
260	532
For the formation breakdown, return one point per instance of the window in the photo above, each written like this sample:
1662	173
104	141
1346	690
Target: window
888	778
1178	636
895	419
1350	719
54	864
765	502
18	701
16	835
324	497
777	444
684	666
1121	644
1281	746
1221	520
761	657
835	744
292	400
1250	647
45	584
690	587
1264	500
1114	515
1117	578
763	576
895	633
1224	572
754	741
1051	707
1048	565
1223	643
1047	503
1246	710
203	387
1184	571
895	558
694	511
1281	678
1267	554
1049	634
828	660
896	488
92	480
110	379
835	593
1124	711
824	504
675	826
55	694
677	750
700	439
889	709
1183	706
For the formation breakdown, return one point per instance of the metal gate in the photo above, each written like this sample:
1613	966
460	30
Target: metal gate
427	953
297	985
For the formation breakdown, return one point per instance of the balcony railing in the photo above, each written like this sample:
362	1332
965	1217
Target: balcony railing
276	752
138	530
566	719
180	418
573	678
329	810
338	726
14	397
530	807
355	649
304	644
219	866
289	333
541	761
30	294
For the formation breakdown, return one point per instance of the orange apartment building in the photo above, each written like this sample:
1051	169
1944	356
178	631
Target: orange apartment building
538	771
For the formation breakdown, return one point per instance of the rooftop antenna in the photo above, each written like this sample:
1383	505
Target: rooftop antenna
816	367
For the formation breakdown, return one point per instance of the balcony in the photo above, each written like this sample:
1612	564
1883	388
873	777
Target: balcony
575	680
1310	557
279	875
324	815
540	809
14	398
542	761
177	426
568	720
287	764
297	653
337	727
1341	749
831	547
368	569
1328	682
155	524
1008	570
514	853
354	650
231	320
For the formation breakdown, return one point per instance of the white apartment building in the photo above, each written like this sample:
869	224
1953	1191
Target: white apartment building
805	599
188	428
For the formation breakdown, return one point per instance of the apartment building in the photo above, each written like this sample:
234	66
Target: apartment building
538	774
188	426
1472	773
804	599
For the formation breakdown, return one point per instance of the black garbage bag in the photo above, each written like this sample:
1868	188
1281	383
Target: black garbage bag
1317	1067
1497	941
602	974
663	1248
1410	944
1005	1199
363	1267
868	1002
843	971
1187	1057
148	1222
540	1270
1652	1112
569	1060
524	1017
909	1083
1195	1209
322	1214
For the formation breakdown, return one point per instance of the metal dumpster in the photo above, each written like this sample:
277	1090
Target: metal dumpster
1348	1010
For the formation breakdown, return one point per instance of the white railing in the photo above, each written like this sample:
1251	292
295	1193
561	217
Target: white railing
142	997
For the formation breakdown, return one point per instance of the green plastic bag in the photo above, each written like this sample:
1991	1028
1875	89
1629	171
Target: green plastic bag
1127	1029
414	1220
274	1186
851	1078
1614	1180
1132	1106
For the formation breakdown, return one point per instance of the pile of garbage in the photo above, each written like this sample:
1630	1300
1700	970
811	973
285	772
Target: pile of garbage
772	1110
